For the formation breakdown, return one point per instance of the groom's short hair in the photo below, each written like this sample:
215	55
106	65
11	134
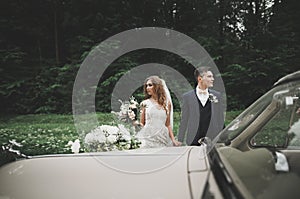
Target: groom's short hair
200	71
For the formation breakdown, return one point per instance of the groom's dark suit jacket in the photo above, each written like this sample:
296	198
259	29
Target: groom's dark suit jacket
190	116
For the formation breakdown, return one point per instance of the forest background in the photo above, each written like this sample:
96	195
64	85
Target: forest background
43	43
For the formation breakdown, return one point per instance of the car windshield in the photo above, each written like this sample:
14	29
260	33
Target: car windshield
273	118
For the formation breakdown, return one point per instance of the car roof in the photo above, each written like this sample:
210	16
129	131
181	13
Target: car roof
288	78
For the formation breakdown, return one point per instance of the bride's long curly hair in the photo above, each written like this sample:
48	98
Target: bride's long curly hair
158	89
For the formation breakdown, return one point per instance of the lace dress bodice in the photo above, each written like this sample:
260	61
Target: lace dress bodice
154	133
155	115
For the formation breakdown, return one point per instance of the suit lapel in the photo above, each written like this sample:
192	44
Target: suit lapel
196	100
195	103
213	107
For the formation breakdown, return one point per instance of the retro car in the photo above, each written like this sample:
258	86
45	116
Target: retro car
256	156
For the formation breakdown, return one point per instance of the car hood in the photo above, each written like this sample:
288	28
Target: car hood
153	173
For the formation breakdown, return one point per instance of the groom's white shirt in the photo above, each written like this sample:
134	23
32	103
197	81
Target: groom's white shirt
201	96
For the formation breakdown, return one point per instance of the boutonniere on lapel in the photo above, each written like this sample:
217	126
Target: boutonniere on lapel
212	98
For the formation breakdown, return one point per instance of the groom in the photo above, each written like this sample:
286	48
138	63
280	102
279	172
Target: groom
202	112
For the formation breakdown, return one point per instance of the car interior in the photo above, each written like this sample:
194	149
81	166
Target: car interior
268	169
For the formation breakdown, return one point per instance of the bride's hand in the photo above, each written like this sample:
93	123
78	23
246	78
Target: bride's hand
176	143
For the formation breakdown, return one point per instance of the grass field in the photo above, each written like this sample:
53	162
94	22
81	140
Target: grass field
50	133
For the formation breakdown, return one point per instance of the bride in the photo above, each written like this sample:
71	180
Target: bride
156	115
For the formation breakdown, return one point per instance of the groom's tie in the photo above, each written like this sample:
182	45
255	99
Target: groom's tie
201	92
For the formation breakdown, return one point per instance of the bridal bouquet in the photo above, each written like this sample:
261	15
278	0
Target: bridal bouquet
119	137
128	110
110	138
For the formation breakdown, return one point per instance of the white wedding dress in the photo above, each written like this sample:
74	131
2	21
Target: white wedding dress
154	133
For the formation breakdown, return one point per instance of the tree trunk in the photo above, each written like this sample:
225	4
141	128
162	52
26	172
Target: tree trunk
221	31
56	34
40	51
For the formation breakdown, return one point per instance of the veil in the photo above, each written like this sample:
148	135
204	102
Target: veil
169	99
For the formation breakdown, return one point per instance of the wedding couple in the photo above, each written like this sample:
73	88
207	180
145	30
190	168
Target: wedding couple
201	111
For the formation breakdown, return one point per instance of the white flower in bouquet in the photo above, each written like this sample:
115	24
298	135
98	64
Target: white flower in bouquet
95	135
111	139
133	103
111	130
127	146
124	107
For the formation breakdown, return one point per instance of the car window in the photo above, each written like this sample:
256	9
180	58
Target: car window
282	130
238	125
